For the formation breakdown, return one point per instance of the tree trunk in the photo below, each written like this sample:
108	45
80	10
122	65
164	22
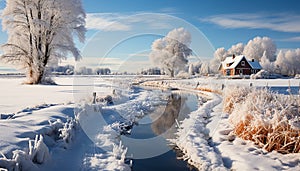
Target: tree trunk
35	75
40	76
171	72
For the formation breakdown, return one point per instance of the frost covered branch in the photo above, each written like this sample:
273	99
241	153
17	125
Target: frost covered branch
40	32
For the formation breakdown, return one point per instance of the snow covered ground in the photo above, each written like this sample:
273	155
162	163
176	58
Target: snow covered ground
48	110
51	111
208	143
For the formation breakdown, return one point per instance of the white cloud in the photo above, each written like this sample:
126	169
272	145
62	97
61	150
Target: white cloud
283	22
152	20
291	39
105	22
145	54
128	21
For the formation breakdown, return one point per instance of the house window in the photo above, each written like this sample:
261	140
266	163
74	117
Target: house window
228	72
243	63
240	71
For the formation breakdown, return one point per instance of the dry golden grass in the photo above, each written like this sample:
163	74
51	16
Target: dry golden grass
233	96
282	138
208	90
268	119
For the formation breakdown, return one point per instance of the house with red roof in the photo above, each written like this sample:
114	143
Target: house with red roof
239	65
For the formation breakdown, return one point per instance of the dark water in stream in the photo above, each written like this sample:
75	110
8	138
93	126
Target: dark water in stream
147	142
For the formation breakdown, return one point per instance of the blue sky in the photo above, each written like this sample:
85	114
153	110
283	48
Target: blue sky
281	19
223	23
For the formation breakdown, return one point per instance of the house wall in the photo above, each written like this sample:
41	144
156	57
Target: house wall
244	70
224	72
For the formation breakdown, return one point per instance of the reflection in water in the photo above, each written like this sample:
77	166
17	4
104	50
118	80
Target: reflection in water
164	117
161	122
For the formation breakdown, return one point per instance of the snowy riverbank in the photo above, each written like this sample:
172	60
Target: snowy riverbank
209	144
47	110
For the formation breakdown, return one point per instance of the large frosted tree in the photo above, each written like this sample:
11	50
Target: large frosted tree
256	48
170	53
40	32
288	62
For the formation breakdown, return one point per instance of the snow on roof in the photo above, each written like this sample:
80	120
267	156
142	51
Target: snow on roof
235	61
255	64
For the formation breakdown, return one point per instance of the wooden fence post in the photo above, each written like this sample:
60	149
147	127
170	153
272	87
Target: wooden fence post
94	97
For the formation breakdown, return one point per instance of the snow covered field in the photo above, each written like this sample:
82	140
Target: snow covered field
48	110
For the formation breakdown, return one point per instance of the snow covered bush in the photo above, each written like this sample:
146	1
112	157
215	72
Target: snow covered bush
67	132
233	96
271	120
61	132
37	153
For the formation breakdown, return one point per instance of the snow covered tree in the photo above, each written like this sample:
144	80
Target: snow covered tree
219	55
281	65
102	71
293	61
171	52
255	48
265	63
236	49
205	68
288	62
41	31
191	69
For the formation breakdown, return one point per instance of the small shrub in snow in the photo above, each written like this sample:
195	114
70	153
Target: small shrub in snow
38	152
233	96
119	151
67	132
23	161
271	120
61	132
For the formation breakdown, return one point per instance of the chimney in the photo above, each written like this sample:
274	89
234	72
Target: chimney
233	56
252	60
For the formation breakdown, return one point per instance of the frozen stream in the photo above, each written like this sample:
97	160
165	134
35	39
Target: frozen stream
148	145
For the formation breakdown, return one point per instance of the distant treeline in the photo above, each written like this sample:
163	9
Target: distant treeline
70	70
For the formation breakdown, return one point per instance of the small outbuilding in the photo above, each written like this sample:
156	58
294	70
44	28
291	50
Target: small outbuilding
239	65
